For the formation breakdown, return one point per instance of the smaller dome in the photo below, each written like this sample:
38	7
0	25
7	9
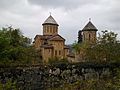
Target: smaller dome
50	20
89	27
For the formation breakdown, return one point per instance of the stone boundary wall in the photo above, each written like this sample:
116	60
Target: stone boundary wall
41	77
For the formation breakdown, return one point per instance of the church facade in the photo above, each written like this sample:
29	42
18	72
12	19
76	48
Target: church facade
51	44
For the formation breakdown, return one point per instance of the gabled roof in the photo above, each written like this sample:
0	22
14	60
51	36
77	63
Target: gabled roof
89	27
50	20
37	36
43	36
56	37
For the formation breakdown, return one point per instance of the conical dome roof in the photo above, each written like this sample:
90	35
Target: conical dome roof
50	20
89	27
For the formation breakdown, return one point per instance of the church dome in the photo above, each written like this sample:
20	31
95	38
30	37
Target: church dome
89	27
50	20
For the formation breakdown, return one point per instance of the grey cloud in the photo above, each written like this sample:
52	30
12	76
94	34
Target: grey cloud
67	4
7	4
30	14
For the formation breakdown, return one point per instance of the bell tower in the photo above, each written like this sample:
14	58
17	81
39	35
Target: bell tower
50	26
89	33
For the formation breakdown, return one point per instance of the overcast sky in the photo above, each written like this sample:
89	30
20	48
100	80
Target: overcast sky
71	15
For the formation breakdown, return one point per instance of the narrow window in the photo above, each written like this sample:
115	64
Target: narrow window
50	29
49	50
47	30
89	37
53	30
59	52
56	52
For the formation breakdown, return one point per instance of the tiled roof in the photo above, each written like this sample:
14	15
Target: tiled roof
90	27
56	37
50	20
43	36
47	46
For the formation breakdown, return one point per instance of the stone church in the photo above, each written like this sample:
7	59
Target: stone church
51	44
87	35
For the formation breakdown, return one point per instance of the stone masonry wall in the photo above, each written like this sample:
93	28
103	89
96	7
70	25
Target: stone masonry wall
40	78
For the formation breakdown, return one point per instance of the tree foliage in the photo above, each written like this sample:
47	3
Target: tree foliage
107	48
15	47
